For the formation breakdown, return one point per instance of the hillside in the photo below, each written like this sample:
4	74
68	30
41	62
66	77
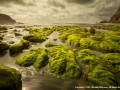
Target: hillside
116	17
6	19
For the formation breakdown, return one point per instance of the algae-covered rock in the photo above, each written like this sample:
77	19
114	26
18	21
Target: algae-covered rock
41	60
63	63
49	44
32	38
87	57
36	39
1	37
72	71
15	49
11	42
111	61
27	37
92	30
18	34
26	44
29	59
9	78
3	47
100	76
87	60
3	28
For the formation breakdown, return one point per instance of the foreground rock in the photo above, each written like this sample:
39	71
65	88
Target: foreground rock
116	17
9	78
17	48
18	34
3	47
36	57
63	63
33	39
1	37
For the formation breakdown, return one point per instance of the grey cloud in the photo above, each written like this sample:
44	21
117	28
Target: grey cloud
105	10
80	1
56	3
21	2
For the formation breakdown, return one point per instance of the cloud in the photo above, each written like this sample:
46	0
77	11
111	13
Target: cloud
56	3
80	1
59	10
105	9
20	2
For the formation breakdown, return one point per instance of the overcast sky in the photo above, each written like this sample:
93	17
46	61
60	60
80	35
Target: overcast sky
59	11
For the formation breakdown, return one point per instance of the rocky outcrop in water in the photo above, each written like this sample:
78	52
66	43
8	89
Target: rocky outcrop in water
6	19
3	47
17	48
33	39
116	17
10	78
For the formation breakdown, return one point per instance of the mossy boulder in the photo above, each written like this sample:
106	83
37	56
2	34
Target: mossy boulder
9	78
14	30
3	47
15	49
92	30
72	71
36	39
63	63
18	34
87	60
100	76
26	44
28	37
1	37
29	59
11	42
111	61
32	38
3	28
41	60
87	57
49	44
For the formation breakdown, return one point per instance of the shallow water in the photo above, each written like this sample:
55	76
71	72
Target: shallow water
32	80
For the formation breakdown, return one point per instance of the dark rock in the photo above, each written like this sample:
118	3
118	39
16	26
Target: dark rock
5	19
15	49
18	34
28	37
35	39
26	44
116	17
3	47
104	21
3	28
11	42
1	37
3	31
15	30
55	39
